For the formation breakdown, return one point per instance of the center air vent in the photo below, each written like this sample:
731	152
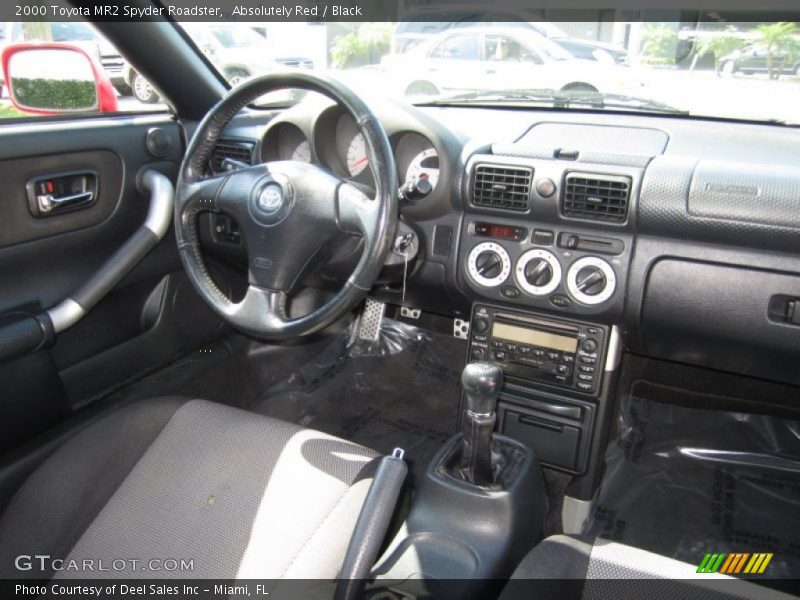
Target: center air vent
599	198
499	186
240	151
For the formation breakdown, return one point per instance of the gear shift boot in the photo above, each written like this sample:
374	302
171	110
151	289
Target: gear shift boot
482	382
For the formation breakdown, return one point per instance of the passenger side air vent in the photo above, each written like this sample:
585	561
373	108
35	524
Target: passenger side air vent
241	151
597	198
502	186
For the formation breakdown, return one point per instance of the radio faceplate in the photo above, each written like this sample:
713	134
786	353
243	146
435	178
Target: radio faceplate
556	352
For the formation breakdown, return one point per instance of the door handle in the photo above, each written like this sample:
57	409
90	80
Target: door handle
61	192
49	203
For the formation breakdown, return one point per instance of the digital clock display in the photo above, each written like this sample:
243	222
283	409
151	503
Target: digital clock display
500	232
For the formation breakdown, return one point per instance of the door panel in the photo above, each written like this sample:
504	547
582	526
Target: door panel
20	225
141	324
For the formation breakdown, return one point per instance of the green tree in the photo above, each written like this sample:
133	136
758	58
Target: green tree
720	44
659	43
362	47
775	37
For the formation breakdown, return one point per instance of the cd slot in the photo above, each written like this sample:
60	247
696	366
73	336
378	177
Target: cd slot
541	323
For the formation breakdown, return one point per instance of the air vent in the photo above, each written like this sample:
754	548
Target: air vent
502	186
241	151
598	198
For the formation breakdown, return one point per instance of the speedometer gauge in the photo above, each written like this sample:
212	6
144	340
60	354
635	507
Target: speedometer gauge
424	165
357	155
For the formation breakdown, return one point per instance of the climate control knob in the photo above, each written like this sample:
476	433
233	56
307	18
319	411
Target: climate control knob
538	272
591	280
488	264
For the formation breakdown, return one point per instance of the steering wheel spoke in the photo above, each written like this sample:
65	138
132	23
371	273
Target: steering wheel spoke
260	305
201	195
357	213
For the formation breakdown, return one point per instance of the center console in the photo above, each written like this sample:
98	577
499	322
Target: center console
544	251
553	373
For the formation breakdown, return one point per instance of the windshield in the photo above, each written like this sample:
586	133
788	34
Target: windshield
704	68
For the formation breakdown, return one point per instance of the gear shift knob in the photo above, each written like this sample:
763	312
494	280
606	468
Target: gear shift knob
482	382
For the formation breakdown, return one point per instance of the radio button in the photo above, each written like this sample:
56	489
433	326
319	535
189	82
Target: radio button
584	377
584	386
525	349
538	352
511	347
567	358
477	354
497	344
500	356
586	369
552	355
588	360
563	369
480	325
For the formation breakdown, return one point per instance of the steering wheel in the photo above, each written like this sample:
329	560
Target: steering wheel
287	211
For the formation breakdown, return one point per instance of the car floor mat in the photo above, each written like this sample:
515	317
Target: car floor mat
401	390
683	481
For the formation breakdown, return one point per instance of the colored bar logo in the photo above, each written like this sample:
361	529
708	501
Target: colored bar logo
735	562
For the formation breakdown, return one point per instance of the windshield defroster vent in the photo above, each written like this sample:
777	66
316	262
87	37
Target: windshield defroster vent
502	186
597	198
239	151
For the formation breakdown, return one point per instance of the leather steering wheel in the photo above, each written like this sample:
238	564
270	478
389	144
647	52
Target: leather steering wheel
287	211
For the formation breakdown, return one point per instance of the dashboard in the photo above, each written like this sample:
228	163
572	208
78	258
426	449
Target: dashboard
682	235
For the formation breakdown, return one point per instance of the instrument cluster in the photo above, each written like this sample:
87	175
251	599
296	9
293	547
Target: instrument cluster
334	141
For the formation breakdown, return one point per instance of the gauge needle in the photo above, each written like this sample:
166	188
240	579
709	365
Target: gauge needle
358	163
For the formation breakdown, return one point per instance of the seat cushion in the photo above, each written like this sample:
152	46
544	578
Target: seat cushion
232	493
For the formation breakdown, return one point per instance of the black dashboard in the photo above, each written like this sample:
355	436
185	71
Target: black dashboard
681	234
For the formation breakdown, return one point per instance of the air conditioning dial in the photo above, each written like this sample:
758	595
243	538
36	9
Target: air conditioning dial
538	272
489	264
591	280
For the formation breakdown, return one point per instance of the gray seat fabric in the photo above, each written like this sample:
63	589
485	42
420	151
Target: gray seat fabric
565	567
231	493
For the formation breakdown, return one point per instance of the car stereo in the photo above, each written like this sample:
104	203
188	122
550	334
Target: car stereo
539	349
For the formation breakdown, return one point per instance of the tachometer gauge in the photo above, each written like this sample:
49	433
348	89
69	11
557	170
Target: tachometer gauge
424	165
357	155
302	152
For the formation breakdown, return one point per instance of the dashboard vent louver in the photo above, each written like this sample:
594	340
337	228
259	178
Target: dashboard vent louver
502	186
241	151
596	197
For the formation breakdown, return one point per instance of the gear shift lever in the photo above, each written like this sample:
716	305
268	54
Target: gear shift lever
482	382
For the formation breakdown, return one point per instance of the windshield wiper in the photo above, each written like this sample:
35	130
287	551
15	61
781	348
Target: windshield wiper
564	99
